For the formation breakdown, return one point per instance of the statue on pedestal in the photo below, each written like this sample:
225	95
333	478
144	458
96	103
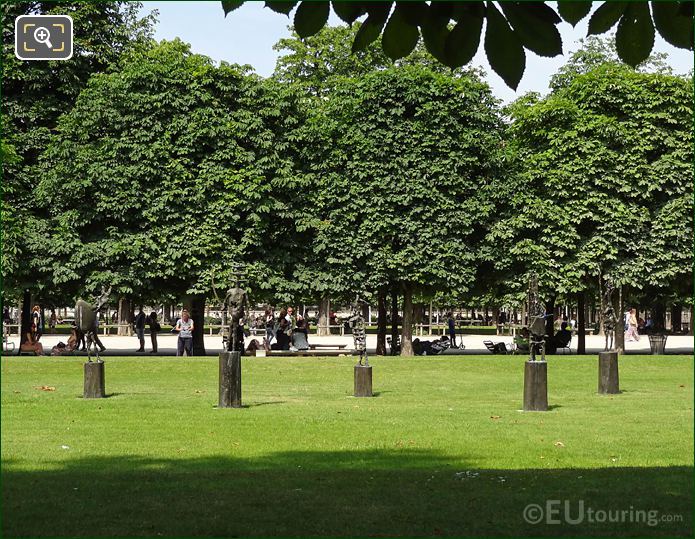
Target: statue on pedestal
86	318
536	320
609	319
236	302
359	334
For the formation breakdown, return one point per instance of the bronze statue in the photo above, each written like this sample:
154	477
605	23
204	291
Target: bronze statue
236	302
359	334
86	321
536	320
609	318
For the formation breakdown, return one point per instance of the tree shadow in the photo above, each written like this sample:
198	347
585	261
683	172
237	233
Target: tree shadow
321	493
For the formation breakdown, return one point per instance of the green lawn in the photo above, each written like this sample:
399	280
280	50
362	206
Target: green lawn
442	449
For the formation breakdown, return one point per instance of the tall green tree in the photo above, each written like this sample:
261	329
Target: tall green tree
596	51
165	174
315	63
397	158
604	187
34	95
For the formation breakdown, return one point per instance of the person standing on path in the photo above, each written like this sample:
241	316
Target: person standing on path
269	327
184	327
154	328
451	322
139	324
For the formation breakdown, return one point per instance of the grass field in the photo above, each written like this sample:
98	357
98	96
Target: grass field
442	449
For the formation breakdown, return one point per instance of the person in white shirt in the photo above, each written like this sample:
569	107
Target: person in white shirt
185	326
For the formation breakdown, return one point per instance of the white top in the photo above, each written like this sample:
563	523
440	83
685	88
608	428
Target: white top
185	328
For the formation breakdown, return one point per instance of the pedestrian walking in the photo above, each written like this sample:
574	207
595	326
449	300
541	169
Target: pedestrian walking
631	335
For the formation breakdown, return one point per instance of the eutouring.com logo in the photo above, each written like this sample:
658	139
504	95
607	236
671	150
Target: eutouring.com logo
576	512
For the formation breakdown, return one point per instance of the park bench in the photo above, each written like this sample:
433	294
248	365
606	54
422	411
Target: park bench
6	344
314	353
327	346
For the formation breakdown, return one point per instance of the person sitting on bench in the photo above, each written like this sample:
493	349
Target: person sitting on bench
496	348
300	336
522	341
562	338
31	345
282	340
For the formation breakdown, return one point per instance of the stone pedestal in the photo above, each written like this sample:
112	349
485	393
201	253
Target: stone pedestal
94	386
230	380
608	381
536	386
363	381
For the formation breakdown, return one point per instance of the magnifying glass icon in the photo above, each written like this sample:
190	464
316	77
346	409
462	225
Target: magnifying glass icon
42	35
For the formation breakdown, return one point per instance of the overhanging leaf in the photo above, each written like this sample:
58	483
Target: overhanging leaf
413	12
435	36
311	17
573	11
605	17
635	36
229	6
371	28
503	48
399	37
281	7
675	28
348	11
535	27
463	41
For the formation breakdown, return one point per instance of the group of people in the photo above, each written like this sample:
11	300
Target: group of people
289	331
183	327
76	340
152	321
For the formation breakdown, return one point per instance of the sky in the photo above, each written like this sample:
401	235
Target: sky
247	36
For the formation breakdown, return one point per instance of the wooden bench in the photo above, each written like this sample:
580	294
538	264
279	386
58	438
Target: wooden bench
314	353
328	346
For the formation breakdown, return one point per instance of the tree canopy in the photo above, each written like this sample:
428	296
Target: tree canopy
164	172
399	156
34	95
604	186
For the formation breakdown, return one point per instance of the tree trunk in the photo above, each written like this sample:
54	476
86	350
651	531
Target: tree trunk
394	319
601	307
25	318
690	322
550	316
581	322
124	317
381	323
407	329
324	316
677	318
496	318
196	308
550	324
620	324
659	315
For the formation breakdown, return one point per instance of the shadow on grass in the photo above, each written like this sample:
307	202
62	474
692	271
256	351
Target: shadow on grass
107	396
363	493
